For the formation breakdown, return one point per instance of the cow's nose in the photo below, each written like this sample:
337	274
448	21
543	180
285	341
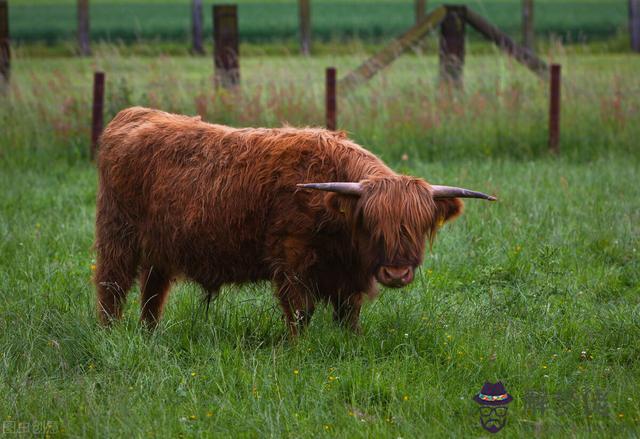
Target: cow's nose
395	276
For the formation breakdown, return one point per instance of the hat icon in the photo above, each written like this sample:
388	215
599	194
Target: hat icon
493	395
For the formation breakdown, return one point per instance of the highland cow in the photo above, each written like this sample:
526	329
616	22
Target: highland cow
308	209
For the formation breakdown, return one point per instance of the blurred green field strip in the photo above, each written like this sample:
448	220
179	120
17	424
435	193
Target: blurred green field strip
572	21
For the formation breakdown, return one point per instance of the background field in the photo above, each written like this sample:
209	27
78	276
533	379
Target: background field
501	114
539	290
368	21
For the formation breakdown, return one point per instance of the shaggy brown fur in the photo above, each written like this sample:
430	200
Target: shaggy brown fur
182	198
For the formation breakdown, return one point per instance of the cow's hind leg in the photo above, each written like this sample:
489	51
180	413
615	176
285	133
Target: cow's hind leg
154	289
115	272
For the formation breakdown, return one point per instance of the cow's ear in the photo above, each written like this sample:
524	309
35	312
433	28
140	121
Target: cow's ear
448	209
340	204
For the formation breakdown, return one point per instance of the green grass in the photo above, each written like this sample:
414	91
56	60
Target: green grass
370	21
502	113
513	291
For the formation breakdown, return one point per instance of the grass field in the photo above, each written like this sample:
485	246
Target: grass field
502	114
372	21
539	290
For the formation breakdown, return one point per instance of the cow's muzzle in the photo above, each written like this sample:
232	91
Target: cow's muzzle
395	277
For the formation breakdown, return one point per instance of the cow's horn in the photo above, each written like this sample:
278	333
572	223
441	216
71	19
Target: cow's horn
348	188
458	192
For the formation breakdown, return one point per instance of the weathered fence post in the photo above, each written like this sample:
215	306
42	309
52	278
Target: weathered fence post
304	10
420	10
5	48
196	27
98	110
554	109
634	24
452	30
84	48
226	45
331	98
528	35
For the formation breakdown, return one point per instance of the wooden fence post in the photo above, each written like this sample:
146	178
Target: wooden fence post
420	10
5	47
84	47
304	10
196	27
226	45
528	35
634	24
98	111
554	109
452	31
330	89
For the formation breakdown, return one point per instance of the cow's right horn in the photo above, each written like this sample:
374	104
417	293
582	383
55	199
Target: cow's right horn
347	188
458	192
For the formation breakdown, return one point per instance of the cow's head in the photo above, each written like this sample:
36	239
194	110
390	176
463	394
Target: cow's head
392	217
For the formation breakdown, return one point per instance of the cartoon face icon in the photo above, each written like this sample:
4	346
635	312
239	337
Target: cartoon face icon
493	419
493	400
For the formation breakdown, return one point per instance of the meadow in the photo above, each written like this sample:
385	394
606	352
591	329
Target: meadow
276	20
539	290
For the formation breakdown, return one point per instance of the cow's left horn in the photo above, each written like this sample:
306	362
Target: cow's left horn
348	188
458	192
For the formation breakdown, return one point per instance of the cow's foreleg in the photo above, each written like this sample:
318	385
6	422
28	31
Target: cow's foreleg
297	304
154	289
346	311
115	272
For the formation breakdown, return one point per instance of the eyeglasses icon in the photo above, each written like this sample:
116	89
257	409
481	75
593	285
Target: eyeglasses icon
488	411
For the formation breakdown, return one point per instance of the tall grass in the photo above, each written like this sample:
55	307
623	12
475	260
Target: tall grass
502	111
